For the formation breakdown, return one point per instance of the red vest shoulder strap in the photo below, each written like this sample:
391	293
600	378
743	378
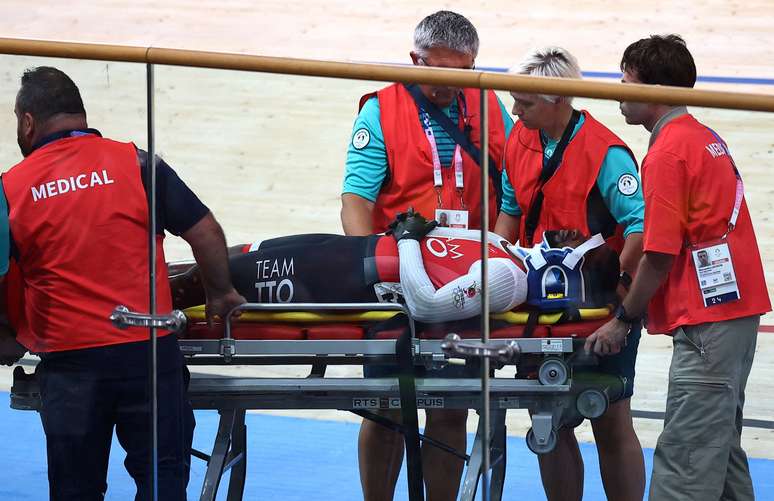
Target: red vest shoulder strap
524	137
385	96
363	100
601	133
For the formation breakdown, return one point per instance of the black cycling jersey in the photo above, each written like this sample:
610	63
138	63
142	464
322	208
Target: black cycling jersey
315	268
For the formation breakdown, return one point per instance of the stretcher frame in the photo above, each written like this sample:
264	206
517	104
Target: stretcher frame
425	352
549	404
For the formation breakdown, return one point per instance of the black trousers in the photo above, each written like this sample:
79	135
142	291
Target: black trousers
86	393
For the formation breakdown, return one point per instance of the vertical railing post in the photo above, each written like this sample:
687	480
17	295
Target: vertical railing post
153	358
484	414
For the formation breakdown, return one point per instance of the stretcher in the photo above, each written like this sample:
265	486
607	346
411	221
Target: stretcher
554	381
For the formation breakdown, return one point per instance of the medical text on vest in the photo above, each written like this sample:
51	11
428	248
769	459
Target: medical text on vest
68	184
715	149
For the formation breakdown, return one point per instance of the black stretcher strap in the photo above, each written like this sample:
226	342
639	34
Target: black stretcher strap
398	428
531	325
408	405
458	136
549	168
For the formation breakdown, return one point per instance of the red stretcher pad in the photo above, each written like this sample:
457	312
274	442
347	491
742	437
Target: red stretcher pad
353	331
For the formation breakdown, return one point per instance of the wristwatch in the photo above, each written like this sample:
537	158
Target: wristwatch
623	316
625	279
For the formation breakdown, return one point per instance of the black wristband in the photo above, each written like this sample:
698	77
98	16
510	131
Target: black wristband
625	279
623	316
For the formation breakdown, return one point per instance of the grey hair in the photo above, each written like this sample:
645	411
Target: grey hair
550	62
448	30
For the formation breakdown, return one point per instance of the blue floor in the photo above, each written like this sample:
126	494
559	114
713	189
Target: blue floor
288	459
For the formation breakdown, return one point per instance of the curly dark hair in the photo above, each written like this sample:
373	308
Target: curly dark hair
660	60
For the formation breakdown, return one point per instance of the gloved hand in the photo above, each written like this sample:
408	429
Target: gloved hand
412	225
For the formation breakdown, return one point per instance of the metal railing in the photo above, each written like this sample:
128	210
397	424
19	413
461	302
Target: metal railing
483	80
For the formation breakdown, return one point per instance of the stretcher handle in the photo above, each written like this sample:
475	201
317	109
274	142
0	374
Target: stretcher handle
123	318
505	353
314	307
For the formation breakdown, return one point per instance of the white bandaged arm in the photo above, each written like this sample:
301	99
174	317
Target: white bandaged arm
460	298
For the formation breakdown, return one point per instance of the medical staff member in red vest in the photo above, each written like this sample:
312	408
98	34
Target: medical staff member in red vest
405	151
78	213
564	169
695	211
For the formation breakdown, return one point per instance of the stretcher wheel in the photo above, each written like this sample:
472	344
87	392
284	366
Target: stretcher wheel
591	403
553	371
540	448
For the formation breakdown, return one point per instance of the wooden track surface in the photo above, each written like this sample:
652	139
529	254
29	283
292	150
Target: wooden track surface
266	152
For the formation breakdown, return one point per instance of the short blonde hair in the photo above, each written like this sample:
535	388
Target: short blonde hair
549	62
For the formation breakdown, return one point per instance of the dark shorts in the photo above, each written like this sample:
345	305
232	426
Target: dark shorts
622	364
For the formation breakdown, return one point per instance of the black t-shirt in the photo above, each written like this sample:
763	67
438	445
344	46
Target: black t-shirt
177	207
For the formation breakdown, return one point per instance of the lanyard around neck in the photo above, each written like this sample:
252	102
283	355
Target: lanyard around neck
739	185
459	178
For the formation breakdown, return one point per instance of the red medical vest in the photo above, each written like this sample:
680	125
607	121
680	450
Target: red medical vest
689	187
79	218
565	202
409	179
445	258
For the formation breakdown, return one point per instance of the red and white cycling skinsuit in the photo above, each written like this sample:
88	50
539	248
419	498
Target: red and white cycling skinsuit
440	276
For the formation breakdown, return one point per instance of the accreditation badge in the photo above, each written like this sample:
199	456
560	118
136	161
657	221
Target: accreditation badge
448	218
715	273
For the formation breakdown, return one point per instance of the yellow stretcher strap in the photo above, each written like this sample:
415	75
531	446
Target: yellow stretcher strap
520	317
196	314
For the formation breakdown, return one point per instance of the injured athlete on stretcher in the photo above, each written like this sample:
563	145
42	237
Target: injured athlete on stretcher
436	271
